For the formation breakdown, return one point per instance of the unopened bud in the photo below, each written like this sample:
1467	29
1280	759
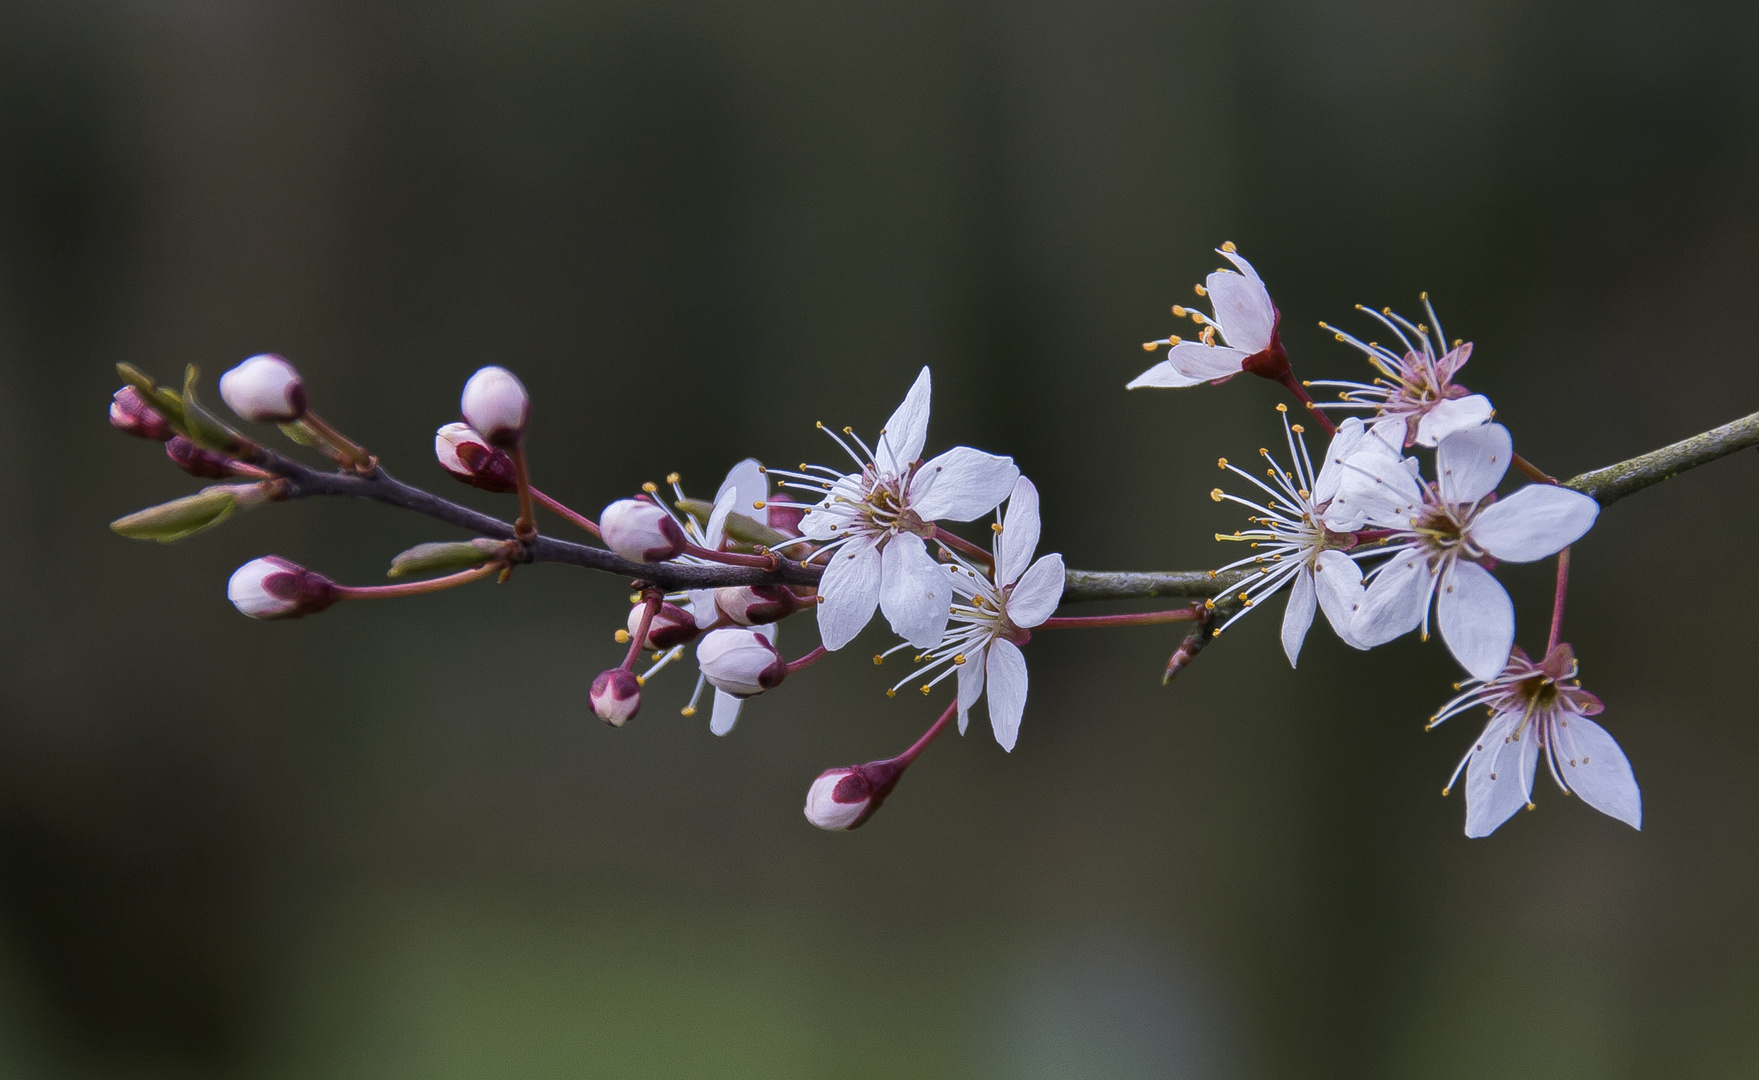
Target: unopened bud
195	461
616	696
266	389
445	557
755	605
495	403
463	452
640	531
130	412
741	662
671	626
273	588
842	799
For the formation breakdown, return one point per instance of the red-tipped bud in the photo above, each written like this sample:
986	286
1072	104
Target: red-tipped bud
842	799
266	389
741	662
130	412
641	531
495	403
671	626
196	461
273	588
463	452
755	605
616	696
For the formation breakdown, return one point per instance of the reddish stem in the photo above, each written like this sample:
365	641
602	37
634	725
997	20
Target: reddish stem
416	588
1294	387
928	736
1140	618
562	511
1534	472
808	660
767	561
960	544
653	601
348	452
525	529
1557	602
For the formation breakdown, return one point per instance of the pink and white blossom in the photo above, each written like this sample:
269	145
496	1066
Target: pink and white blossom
266	389
275	588
462	451
741	660
1540	709
495	403
1244	321
1458	530
1415	401
641	530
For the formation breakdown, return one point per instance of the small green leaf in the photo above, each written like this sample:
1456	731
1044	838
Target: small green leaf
179	517
745	530
204	428
444	557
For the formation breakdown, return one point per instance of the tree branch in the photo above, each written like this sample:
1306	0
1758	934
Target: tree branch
1614	482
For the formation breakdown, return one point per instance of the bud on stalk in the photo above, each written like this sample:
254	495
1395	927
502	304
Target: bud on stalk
640	531
196	461
616	696
843	799
129	412
274	588
755	605
671	626
495	403
463	452
266	389
742	662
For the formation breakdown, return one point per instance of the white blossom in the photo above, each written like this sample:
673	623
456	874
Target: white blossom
1415	401
1244	320
266	389
740	660
495	403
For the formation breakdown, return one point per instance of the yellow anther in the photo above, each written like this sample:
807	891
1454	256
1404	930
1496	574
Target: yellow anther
995	527
673	478
1200	290
1178	311
1221	462
1280	407
959	658
688	710
1228	246
891	693
641	680
878	659
1423	296
635	598
1209	605
650	487
848	431
1215	633
622	637
758	505
925	689
820	424
1208	335
1216	495
919	657
1340	337
1242	596
1149	346
1174	339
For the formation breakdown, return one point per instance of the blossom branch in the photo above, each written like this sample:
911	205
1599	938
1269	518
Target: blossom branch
1614	482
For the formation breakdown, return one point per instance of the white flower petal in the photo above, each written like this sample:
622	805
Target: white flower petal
961	485
1345	442
1499	777
970	685
748	479
1337	581
915	591
1536	521
716	529
1371	484
1477	619
1007	690
1019	537
1396	600
1596	769
1164	374
1038	592
1243	310
1456	414
850	591
1298	615
900	441
1469	464
726	712
702	607
1195	360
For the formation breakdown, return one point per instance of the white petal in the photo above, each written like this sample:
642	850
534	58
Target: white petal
1019	537
1453	415
1347	441
702	607
823	523
1477	619
850	590
726	713
1298	615
1469	464
1195	360
749	480
725	503
1396	600
916	592
1371	484
1596	769
970	685
900	441
1038	593
1164	374
1007	690
1338	582
1243	309
961	485
1499	778
1536	521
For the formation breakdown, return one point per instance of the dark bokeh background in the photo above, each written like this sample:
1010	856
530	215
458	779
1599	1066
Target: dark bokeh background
391	842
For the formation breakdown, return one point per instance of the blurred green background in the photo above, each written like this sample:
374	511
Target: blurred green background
392	842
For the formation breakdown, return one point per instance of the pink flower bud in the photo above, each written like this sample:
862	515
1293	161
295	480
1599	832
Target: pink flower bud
273	588
641	531
495	403
842	799
467	455
754	605
671	626
784	514
741	662
616	696
266	389
196	461
130	412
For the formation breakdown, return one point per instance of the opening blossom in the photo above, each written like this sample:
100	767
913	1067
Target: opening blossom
994	616
1457	532
1246	322
1415	402
873	524
1540	708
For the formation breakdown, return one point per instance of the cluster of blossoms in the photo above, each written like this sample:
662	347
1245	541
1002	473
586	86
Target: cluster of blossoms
1361	534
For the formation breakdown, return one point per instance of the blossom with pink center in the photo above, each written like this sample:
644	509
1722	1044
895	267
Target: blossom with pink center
1457	531
1540	708
1415	401
1245	321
